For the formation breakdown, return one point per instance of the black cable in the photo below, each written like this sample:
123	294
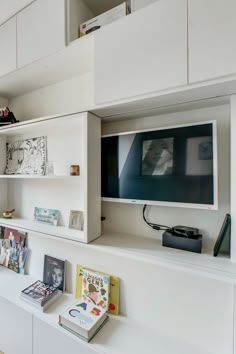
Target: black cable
158	227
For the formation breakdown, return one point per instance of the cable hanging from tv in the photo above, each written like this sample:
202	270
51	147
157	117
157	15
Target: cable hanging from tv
157	227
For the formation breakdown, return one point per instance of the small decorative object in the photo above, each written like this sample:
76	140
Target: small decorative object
46	216
26	156
224	231
8	214
76	220
7	117
74	170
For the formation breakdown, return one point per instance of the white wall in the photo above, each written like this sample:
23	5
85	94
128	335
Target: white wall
3	102
127	218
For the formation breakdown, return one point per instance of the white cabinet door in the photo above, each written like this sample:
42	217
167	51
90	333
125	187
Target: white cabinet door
40	30
48	340
8	47
15	329
142	53
212	45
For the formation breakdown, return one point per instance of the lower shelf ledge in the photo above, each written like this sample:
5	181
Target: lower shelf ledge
151	250
50	230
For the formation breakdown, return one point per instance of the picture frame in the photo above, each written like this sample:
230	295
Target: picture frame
46	216
76	220
225	228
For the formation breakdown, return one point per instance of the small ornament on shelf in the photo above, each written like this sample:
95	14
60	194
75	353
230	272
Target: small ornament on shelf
8	214
7	117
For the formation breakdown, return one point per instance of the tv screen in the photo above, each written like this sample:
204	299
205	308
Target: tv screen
169	166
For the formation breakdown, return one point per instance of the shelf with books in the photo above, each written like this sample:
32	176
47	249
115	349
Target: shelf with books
44	149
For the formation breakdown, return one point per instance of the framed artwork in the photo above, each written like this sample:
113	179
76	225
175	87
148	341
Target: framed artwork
26	156
76	220
46	216
199	161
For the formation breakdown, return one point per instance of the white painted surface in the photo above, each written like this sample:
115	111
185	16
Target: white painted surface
72	95
10	8
142	53
15	325
8	45
40	30
212	48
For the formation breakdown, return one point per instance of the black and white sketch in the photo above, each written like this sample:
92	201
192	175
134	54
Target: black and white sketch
26	156
157	158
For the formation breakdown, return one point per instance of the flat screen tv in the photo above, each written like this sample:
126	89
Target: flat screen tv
173	166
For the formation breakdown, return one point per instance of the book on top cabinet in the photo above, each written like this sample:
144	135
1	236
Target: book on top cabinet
54	272
83	319
114	291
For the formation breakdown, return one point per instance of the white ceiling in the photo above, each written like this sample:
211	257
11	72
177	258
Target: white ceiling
8	8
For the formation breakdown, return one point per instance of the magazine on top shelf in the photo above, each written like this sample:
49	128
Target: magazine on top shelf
83	319
114	295
54	272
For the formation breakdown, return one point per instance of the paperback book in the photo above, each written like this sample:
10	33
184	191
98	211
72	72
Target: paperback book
83	319
114	296
39	293
95	287
54	272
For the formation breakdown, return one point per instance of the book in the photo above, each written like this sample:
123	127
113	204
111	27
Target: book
54	272
83	318
114	297
95	287
40	307
80	335
39	293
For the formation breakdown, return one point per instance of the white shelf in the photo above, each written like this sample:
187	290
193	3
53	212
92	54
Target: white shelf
119	335
38	177
150	250
50	230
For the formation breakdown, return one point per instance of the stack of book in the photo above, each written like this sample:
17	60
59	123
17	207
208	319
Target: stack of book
85	317
40	295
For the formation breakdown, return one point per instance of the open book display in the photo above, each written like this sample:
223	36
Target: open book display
13	251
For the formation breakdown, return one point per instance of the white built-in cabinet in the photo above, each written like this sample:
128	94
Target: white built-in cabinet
48	340
212	46
142	53
71	140
15	328
40	30
8	46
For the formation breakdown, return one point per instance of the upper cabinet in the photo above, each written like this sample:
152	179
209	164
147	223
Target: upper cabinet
40	30
142	53
8	47
212	46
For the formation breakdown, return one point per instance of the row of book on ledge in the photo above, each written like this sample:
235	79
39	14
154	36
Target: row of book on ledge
97	295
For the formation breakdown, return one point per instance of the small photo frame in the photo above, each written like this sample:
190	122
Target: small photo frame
224	232
76	220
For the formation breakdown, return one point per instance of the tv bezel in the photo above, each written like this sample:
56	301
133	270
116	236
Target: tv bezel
213	206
